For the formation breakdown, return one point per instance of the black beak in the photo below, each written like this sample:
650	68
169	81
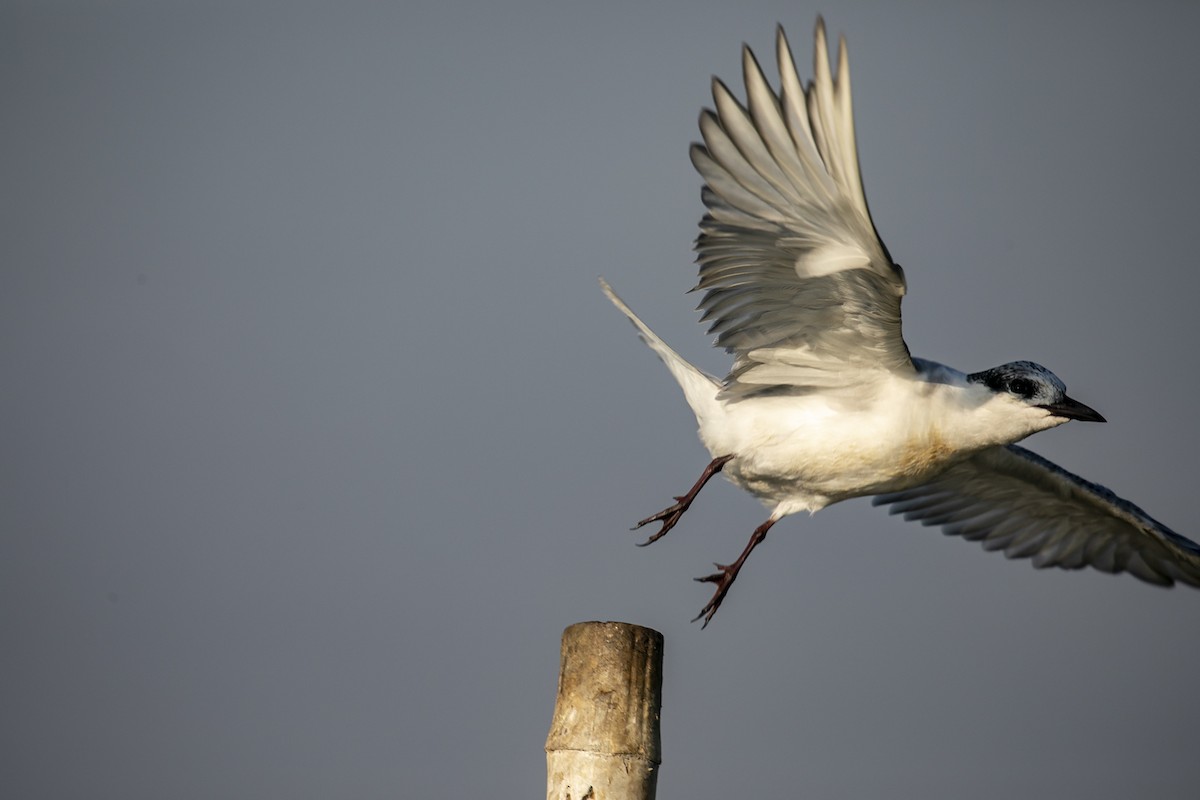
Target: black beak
1073	409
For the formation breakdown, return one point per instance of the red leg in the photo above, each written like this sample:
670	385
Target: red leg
670	515
725	578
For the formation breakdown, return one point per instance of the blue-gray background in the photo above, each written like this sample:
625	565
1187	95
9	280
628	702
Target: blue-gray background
317	430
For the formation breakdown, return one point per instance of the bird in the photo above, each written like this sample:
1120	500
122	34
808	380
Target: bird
824	402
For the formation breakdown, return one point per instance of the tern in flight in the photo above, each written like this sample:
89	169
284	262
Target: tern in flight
824	401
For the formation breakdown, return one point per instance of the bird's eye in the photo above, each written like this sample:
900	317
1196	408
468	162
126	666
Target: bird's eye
1021	386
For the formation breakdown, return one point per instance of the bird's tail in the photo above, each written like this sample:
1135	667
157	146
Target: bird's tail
699	388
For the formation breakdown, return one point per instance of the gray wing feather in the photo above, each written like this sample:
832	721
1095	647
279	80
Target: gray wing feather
796	282
1010	499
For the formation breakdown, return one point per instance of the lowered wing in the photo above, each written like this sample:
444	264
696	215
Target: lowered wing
1012	500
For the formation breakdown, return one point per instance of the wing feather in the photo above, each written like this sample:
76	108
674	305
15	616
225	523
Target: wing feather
796	282
1011	499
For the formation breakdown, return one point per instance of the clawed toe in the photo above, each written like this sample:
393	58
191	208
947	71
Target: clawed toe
671	514
723	580
668	516
728	574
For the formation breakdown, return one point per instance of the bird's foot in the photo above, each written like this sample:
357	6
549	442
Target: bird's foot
668	516
729	572
671	514
723	579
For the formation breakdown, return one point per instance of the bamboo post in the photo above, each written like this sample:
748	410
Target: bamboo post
604	739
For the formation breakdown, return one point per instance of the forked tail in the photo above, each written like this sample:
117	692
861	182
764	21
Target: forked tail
699	388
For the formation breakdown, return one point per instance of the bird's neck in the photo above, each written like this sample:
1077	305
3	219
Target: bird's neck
970	417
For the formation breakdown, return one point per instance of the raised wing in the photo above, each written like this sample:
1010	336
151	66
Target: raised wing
796	282
1010	499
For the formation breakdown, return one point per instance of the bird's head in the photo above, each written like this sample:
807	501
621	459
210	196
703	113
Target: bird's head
1033	395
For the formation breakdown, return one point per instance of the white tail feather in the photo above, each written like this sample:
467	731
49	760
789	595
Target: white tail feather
699	388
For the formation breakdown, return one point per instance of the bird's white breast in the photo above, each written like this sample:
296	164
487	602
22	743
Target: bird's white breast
806	451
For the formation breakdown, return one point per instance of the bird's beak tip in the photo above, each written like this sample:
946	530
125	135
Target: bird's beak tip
1073	409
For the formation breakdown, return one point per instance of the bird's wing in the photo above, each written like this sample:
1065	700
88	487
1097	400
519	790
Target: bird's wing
1010	499
796	281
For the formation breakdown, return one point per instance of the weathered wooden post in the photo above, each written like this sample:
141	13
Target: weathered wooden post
604	739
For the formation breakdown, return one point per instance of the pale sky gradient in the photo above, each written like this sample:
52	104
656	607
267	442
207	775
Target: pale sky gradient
319	431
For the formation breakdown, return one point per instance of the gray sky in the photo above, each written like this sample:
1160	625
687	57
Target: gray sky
319	430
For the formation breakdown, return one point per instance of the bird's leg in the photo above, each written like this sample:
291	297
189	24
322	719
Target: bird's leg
725	578
670	515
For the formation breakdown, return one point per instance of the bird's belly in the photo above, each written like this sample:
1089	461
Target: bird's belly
823	458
